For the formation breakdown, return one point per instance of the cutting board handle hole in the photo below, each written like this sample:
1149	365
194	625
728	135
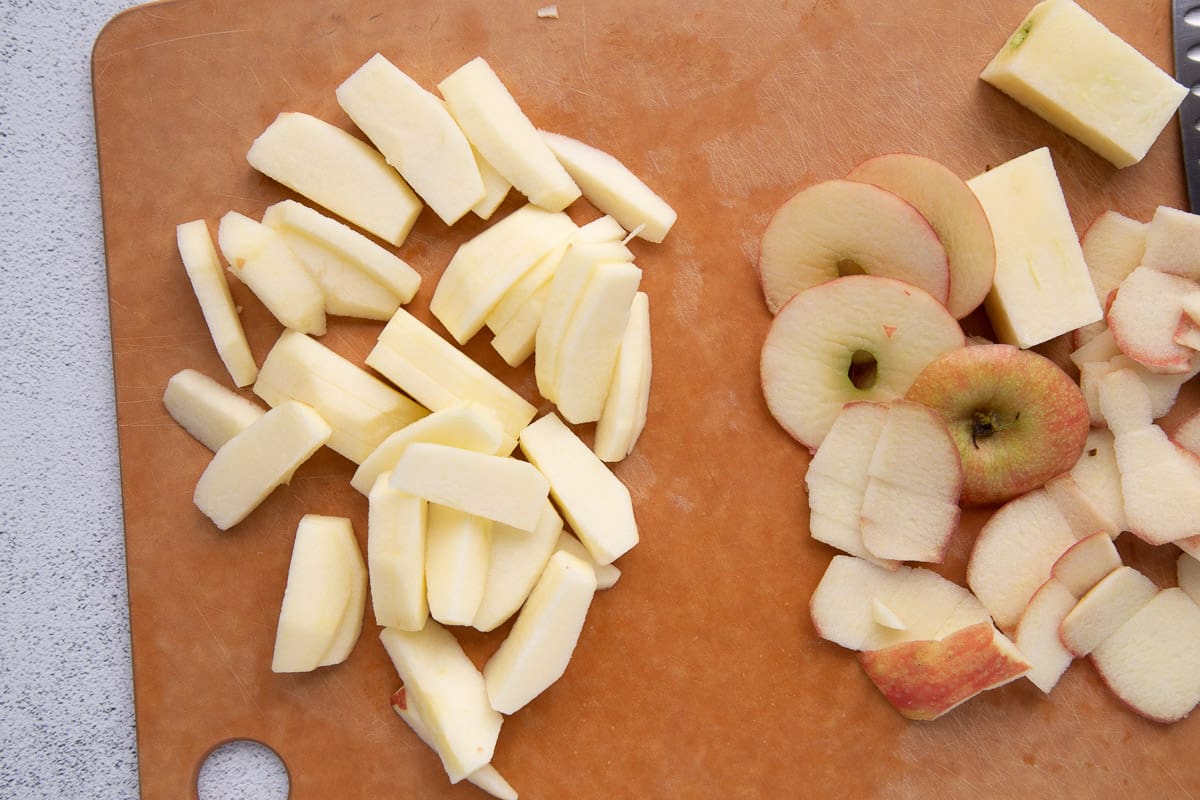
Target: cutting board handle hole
242	769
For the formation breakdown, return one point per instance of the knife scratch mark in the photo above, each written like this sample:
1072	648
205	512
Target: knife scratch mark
225	655
173	39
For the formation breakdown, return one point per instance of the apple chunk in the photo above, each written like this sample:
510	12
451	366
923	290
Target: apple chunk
1113	246
926	679
1097	476
1172	239
206	409
860	337
826	227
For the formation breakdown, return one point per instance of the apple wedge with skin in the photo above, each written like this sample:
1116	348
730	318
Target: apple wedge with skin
954	212
1017	418
925	679
823	229
1086	563
1105	607
1149	662
1145	317
1037	633
1187	570
861	337
1113	246
396	534
207	410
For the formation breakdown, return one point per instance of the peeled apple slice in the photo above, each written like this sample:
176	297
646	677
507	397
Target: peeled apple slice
456	563
495	187
207	410
514	563
601	229
350	627
612	188
624	415
607	575
396	526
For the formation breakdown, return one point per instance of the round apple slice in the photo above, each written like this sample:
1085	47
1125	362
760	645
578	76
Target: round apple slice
848	226
955	214
860	337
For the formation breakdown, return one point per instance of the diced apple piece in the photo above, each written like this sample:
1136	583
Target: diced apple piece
451	694
1113	246
1037	633
253	463
496	126
261	259
515	561
860	337
396	525
207	410
361	409
542	640
601	229
325	576
1160	481
594	502
1172	239
1150	661
612	188
624	415
1086	563
1097	476
216	303
925	679
439	375
910	506
587	353
843	605
1063	65
884	616
338	172
1104	608
1083	516
1014	554
416	134
456	563
498	488
1145	316
607	575
952	209
823	229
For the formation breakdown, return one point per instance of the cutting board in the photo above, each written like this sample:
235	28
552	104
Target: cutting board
699	674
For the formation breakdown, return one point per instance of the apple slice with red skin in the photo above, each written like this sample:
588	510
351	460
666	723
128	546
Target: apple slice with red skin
847	225
1163	387
1017	418
1086	563
1037	634
1082	514
1173	243
1150	662
925	679
860	337
955	214
1105	607
1145	316
1113	246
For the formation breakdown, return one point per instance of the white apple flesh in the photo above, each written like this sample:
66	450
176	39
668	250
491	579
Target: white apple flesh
207	410
515	560
1105	607
1086	563
624	415
456	563
1145	316
396	526
1037	634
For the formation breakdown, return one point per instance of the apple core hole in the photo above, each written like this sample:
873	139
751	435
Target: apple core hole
863	369
848	266
243	769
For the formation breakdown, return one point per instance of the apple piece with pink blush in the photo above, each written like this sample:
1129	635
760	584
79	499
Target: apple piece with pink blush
1037	634
1086	563
1104	609
1145	316
1113	246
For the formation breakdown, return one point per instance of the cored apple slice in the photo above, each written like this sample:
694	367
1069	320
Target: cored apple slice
1187	569
1086	563
925	679
1105	607
207	410
1097	475
1113	246
624	415
396	527
860	337
1014	554
1150	662
835	226
1173	243
954	212
456	563
1145	316
1017	418
515	560
1160	480
1037	633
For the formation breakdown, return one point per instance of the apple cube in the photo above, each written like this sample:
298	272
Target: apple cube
515	560
456	565
336	171
253	463
396	526
1063	65
624	414
1145	316
1104	608
216	303
207	410
1037	633
1086	563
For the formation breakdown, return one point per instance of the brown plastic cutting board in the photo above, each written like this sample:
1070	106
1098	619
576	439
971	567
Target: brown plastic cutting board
699	674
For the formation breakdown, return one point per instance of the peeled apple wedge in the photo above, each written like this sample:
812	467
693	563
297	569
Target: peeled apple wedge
516	341
624	414
207	410
535	280
253	463
216	303
326	586
612	188
336	171
515	560
396	528
607	575
495	187
456	563
416	134
601	229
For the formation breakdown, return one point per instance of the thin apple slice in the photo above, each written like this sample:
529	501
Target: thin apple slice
216	303
1098	349
1086	563
207	410
823	229
253	463
456	563
1037	633
607	575
925	679
496	126
1105	607
495	187
954	212
517	340
515	560
1163	388
1098	477
1150	661
1187	433
1113	246
451	694
1172	239
624	415
1145	316
350	627
884	616
1014	554
860	337
1083	516
1187	569
396	526
612	188
601	229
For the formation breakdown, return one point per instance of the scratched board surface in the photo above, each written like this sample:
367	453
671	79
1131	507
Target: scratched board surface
699	674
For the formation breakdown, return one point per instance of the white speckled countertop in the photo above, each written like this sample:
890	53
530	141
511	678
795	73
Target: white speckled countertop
66	693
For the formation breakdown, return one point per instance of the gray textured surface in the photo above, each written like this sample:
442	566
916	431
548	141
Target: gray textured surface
66	695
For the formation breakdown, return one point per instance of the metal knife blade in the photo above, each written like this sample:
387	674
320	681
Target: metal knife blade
1185	15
